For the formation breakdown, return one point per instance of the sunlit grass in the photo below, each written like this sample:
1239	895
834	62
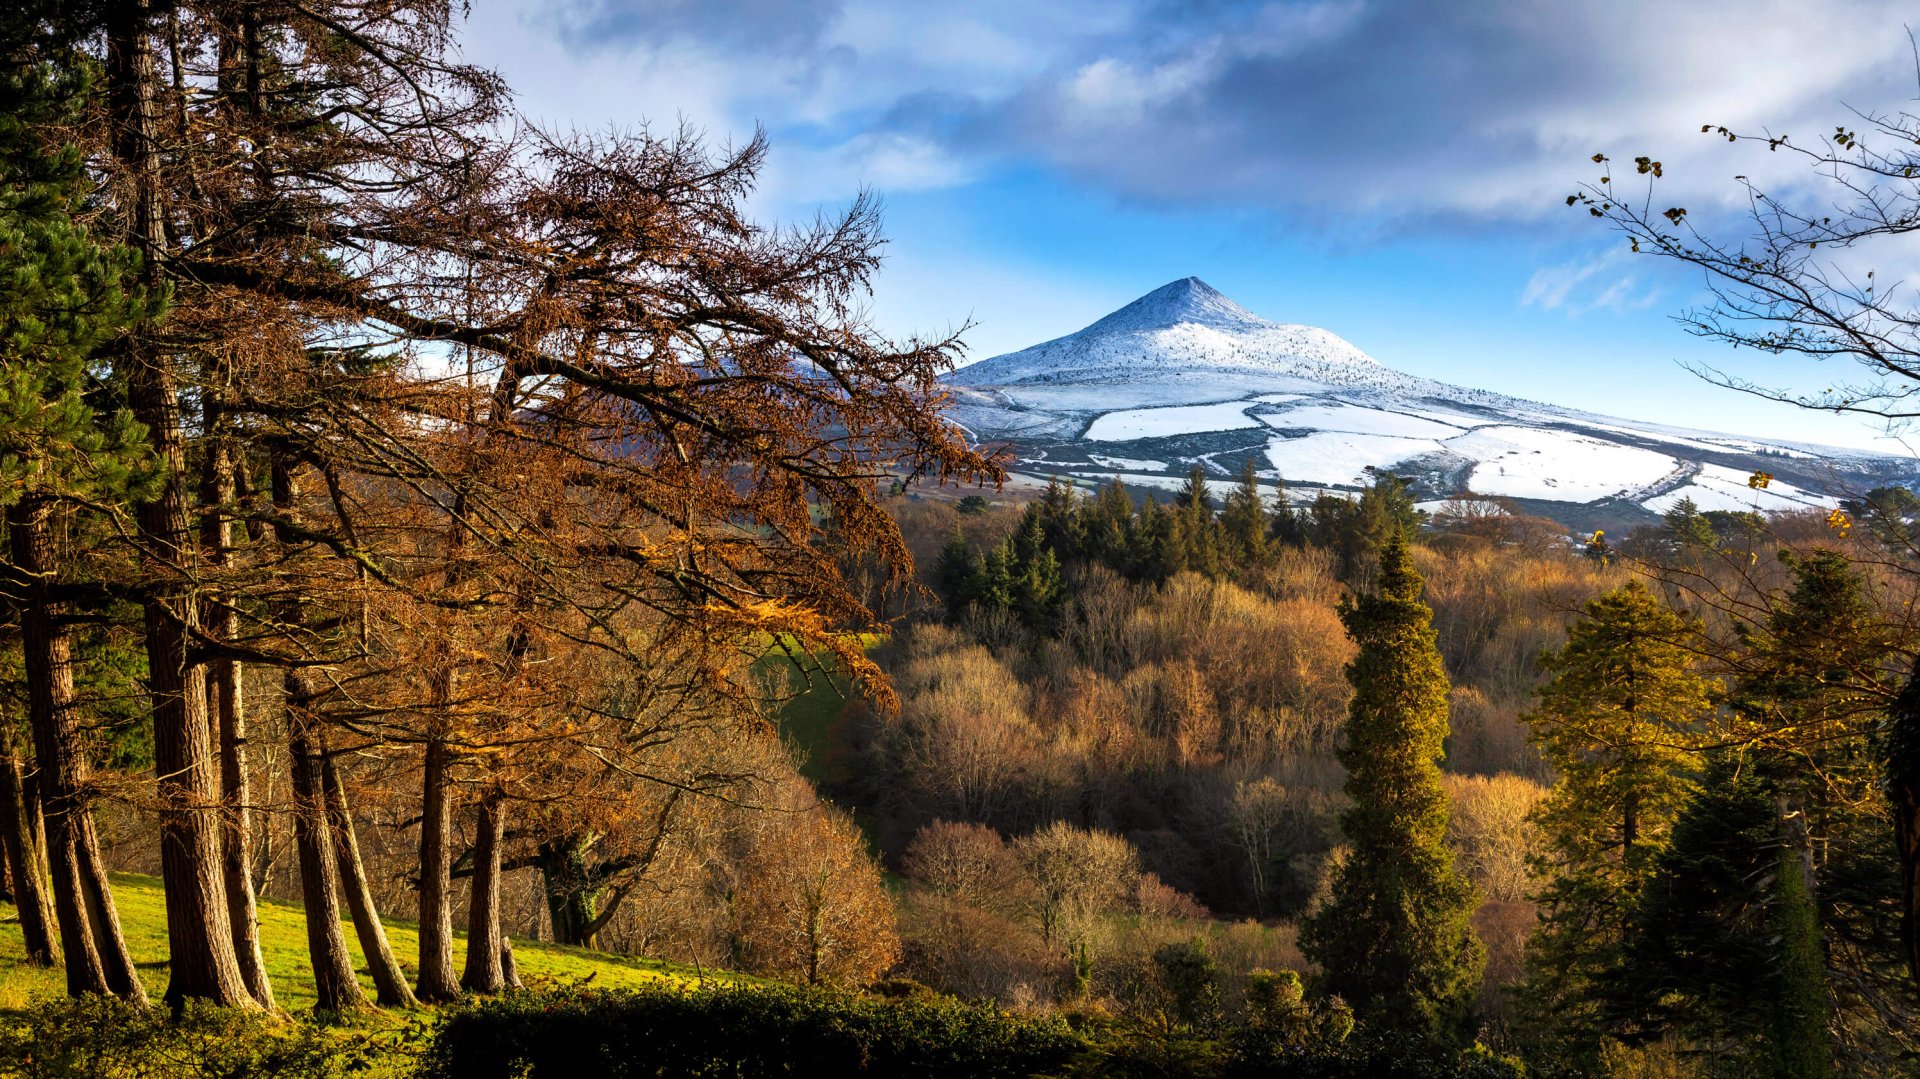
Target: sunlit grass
283	943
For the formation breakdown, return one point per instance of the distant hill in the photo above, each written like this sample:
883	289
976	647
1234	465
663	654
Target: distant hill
1184	374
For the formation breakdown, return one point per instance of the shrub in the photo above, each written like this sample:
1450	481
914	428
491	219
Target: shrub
741	1033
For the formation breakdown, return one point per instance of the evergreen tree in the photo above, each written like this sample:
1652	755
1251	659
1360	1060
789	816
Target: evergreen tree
1107	526
66	443
1688	529
1244	520
1622	700
1198	530
953	574
1061	518
1035	591
1395	939
1726	952
1806	708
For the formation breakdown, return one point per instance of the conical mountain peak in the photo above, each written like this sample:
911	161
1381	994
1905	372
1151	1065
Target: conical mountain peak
1181	329
1186	300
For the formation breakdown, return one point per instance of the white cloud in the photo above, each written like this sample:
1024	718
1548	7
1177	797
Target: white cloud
1608	282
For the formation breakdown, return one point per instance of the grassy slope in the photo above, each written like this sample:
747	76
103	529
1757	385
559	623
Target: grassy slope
812	718
283	942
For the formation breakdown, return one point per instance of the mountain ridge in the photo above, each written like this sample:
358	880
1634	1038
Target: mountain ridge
1184	375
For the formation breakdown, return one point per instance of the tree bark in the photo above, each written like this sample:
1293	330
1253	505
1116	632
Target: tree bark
337	987
484	972
30	898
226	690
199	933
389	980
572	896
96	957
108	939
437	983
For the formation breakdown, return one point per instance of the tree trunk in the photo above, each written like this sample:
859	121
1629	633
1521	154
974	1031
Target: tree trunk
508	968
30	899
484	973
389	981
226	688
199	934
572	897
1903	791
108	939
334	980
96	957
437	983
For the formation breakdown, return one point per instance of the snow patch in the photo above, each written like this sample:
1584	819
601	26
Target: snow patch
1546	463
1718	487
1162	422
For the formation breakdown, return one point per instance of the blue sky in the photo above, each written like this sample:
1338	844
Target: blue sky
1392	170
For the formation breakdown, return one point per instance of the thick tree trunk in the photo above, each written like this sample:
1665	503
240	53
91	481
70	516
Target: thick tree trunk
437	983
79	899
389	980
572	897
336	985
485	942
226	690
199	934
30	899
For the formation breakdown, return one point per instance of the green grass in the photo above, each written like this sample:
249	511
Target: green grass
283	943
812	720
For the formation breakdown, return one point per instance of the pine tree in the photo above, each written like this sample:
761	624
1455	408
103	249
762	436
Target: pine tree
1806	708
1395	939
953	574
1726	948
1198	531
1622	700
1689	529
65	443
1244	520
1035	590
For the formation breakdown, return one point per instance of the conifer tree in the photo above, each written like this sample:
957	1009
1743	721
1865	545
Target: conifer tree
1034	569
64	443
1726	950
1623	699
1395	939
1688	528
1244	520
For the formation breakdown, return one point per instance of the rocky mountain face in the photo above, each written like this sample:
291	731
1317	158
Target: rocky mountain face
1184	375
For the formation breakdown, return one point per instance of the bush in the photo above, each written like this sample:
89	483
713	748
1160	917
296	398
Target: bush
97	1037
741	1032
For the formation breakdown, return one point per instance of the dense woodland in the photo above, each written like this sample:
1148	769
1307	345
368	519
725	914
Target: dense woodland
415	512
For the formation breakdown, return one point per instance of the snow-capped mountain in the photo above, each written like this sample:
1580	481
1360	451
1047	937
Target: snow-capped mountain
1184	374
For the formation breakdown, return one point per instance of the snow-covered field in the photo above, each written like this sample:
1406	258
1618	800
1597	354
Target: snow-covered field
1162	422
1126	464
1341	457
1357	419
1542	462
1720	488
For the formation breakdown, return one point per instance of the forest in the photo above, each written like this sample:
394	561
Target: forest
475	600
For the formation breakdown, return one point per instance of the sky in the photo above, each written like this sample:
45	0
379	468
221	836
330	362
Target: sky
1395	171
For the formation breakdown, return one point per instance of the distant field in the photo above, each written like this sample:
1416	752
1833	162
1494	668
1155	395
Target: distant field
811	720
284	943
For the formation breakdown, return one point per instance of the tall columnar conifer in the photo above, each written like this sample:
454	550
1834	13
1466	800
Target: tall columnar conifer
1395	939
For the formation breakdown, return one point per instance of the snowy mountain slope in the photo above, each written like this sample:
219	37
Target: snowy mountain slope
1186	375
